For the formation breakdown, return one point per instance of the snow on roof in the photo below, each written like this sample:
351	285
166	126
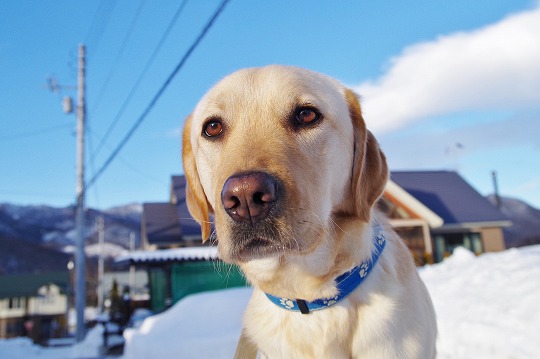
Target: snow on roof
170	255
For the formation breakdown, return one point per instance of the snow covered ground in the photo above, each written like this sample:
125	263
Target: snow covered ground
487	307
23	348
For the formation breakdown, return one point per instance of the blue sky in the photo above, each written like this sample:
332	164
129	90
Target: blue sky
445	85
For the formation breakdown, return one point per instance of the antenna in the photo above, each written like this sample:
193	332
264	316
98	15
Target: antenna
496	189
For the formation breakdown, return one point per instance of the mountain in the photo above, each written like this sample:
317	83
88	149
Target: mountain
40	238
54	228
29	257
525	218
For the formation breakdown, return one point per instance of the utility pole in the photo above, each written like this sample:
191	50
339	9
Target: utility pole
101	241
131	267
80	259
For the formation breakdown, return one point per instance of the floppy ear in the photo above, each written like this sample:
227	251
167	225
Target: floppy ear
370	171
196	199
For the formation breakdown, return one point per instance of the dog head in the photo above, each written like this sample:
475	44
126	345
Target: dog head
277	155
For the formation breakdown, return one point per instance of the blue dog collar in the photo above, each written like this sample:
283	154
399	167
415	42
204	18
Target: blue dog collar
346	283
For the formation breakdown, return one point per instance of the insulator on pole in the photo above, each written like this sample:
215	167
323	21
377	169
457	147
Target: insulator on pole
67	104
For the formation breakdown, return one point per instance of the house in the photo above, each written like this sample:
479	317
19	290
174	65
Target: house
169	224
177	272
437	211
34	305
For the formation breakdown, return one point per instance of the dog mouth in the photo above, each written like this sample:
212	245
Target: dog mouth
261	241
256	248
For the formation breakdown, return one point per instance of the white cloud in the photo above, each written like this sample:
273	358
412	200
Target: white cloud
174	133
495	67
527	187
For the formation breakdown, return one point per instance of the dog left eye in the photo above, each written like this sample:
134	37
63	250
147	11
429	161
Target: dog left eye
307	115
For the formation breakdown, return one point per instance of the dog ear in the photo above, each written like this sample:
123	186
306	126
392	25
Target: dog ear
195	198
370	171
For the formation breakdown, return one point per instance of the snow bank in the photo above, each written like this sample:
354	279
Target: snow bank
14	348
487	306
200	326
19	348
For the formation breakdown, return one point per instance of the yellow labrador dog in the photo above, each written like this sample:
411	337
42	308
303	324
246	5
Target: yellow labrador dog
280	158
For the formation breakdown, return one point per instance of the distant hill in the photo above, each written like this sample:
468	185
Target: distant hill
40	238
28	257
526	222
54	228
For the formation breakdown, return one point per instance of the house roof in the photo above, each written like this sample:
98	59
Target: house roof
161	223
27	285
170	255
170	223
450	197
189	226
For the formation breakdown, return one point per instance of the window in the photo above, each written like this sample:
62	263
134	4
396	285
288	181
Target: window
447	242
15	303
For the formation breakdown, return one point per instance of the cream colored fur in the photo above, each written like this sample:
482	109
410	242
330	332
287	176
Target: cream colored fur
332	173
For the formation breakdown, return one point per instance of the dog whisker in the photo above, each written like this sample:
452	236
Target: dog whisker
334	223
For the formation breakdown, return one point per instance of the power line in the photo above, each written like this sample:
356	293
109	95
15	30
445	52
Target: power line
127	164
159	93
92	166
99	23
38	132
139	80
24	192
127	36
142	173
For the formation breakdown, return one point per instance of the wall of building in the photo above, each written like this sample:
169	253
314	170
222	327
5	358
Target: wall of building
493	239
11	327
12	307
49	301
39	317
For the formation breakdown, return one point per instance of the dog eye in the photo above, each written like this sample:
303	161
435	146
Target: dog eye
307	115
213	128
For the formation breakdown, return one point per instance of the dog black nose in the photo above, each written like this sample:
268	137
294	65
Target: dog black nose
249	197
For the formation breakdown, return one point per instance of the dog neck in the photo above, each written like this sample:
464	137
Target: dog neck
345	284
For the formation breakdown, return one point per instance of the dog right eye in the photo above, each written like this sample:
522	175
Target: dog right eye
307	116
213	128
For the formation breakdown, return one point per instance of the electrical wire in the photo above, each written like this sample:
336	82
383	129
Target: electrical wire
160	92
89	131
126	163
125	40
38	132
120	52
99	23
150	61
